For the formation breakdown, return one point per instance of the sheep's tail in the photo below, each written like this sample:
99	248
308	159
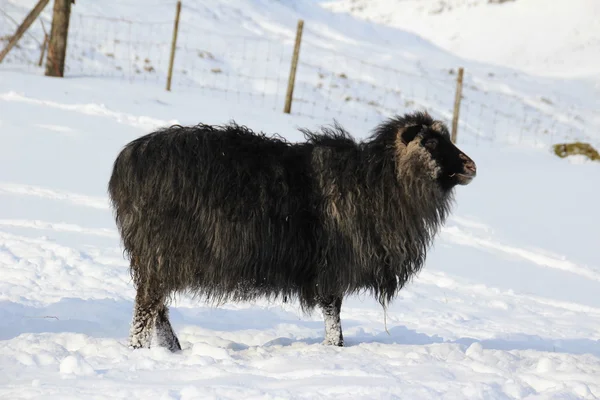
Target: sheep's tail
120	186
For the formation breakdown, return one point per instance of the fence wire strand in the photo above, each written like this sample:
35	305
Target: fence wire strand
251	69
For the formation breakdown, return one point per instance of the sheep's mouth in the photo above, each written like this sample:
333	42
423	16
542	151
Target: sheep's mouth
465	178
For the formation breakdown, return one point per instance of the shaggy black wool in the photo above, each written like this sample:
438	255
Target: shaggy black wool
228	214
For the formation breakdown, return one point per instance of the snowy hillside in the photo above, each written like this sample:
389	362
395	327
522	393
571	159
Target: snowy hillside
507	306
349	69
560	38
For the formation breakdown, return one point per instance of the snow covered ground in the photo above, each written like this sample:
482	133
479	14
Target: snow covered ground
560	38
350	69
506	307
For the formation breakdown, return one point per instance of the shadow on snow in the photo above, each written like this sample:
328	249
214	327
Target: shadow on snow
110	318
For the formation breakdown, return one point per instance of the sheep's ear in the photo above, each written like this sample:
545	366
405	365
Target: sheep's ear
408	134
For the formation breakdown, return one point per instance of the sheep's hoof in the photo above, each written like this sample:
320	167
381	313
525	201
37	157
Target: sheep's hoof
175	346
138	344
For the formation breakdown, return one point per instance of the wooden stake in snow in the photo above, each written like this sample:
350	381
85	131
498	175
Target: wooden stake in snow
33	14
57	45
44	47
292	79
457	98
173	45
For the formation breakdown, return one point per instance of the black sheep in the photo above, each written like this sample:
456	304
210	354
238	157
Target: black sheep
227	214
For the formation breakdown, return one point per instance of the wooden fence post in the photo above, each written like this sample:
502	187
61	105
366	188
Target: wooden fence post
457	98
57	44
292	78
44	46
33	14
173	45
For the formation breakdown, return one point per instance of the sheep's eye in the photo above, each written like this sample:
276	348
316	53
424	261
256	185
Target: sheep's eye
431	143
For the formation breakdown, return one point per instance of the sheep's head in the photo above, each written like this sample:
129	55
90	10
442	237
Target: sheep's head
426	148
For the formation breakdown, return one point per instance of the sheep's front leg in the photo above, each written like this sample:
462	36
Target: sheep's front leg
331	307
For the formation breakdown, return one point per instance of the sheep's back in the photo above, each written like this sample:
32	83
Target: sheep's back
217	209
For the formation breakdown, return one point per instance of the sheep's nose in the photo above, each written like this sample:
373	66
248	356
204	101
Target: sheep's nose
469	166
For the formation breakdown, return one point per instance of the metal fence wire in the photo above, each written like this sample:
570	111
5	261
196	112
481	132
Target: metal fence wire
254	70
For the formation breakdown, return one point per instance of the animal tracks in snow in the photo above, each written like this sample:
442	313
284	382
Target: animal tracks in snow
100	110
42	271
461	235
70	197
59	227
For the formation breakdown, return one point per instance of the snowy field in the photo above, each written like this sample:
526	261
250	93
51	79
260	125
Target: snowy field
520	34
507	306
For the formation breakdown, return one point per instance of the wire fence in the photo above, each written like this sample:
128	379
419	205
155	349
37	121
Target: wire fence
329	83
242	68
27	51
116	48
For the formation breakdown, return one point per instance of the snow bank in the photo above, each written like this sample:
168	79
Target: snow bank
506	307
528	35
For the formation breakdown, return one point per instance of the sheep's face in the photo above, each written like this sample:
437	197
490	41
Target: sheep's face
435	154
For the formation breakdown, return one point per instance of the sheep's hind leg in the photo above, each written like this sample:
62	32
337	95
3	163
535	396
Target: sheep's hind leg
164	331
151	316
145	312
331	307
